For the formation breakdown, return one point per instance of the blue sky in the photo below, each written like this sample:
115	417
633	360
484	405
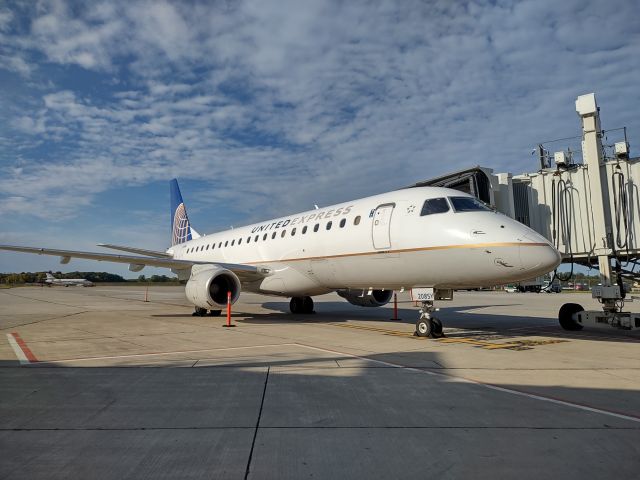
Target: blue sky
265	108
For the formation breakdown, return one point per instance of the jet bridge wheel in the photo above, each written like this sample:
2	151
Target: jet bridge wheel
565	316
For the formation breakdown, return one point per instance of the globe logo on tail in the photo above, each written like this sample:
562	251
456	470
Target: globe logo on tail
181	229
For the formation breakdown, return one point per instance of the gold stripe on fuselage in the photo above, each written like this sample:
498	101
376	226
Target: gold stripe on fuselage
405	250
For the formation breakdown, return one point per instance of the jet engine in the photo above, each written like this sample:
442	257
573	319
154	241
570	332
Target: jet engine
362	298
208	285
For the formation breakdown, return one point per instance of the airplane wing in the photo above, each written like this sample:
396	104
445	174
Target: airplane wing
140	251
244	272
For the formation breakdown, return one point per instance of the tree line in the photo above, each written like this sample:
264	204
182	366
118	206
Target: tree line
96	277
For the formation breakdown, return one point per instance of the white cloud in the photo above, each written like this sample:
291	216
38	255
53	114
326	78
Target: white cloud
323	101
30	125
5	19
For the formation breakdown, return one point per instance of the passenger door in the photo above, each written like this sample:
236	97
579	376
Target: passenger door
381	226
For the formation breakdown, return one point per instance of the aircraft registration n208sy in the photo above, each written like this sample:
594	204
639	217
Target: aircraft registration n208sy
428	239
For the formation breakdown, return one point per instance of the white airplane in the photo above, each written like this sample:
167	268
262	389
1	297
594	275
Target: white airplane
427	239
51	280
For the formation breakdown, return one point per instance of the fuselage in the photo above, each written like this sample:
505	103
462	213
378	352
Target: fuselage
425	236
69	281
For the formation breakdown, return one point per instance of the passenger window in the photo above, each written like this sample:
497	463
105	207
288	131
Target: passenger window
293	232
248	239
264	237
226	243
343	222
316	227
356	221
434	205
256	239
208	245
220	245
468	204
233	242
273	236
213	246
284	232
239	241
304	229
329	225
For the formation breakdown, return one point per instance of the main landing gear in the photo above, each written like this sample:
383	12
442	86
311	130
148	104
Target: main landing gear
201	312
301	305
428	325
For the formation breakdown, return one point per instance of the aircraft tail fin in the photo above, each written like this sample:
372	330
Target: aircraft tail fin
181	230
49	276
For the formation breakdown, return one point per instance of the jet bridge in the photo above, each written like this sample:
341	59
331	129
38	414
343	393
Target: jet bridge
589	208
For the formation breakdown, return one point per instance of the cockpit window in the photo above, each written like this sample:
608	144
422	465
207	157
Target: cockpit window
434	205
468	204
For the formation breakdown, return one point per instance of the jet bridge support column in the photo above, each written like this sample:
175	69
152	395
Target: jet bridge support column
588	110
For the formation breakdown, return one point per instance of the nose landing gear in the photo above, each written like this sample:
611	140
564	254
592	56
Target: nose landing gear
428	325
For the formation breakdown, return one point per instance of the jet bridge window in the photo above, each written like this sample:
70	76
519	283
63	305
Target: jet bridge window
433	206
468	204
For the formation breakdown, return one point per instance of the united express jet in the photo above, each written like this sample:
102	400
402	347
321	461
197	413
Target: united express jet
429	240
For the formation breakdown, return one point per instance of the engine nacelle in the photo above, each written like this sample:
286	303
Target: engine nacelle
378	298
208	285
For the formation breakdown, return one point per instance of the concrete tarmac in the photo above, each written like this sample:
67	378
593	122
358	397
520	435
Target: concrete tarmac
88	389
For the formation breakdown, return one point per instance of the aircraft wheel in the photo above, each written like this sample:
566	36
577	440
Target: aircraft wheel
565	316
437	328
307	305
199	312
215	313
296	305
424	327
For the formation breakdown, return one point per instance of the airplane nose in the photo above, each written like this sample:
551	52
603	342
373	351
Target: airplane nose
539	259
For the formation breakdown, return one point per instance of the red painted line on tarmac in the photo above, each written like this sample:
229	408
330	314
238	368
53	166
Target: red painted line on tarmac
23	346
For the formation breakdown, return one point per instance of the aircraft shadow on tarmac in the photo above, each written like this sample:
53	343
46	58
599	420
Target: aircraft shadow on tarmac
341	422
458	321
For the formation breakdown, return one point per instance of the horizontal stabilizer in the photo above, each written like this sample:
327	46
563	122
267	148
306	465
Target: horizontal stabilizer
139	251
